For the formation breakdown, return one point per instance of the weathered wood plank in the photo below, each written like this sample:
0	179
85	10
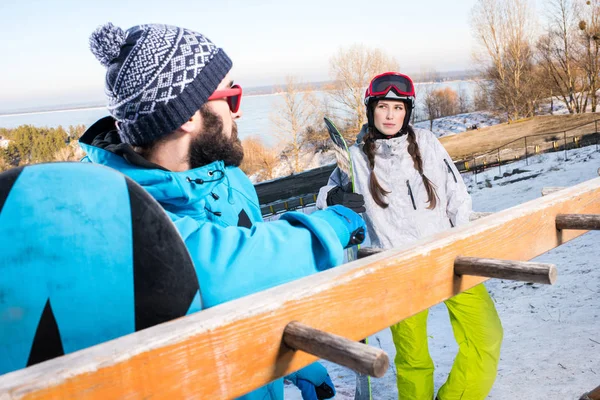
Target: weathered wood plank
506	269
228	350
357	356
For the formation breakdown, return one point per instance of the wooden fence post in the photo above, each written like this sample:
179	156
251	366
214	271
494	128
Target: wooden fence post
337	349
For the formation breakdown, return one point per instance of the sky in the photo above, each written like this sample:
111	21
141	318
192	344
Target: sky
46	58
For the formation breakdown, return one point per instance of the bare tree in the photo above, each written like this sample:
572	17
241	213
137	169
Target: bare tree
559	52
504	31
258	160
537	89
464	103
440	103
448	100
4	164
75	131
352	69
294	114
316	134
589	15
430	106
481	97
72	152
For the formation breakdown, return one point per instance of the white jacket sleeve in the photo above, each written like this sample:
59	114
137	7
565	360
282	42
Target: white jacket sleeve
337	178
459	204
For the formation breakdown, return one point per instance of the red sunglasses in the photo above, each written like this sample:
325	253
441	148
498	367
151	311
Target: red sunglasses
233	96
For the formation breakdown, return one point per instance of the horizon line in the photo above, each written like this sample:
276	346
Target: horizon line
251	91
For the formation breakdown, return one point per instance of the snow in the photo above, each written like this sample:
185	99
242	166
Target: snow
454	124
459	123
551	347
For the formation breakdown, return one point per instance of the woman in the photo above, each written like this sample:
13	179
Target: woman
412	189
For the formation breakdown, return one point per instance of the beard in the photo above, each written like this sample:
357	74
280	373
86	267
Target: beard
212	145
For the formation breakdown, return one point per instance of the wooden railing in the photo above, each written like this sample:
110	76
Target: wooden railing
226	351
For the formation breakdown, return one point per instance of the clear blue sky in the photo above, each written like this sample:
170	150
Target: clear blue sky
46	59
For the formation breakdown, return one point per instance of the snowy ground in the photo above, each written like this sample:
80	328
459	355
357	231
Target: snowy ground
454	124
551	346
459	123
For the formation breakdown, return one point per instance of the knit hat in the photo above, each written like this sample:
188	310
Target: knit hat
157	77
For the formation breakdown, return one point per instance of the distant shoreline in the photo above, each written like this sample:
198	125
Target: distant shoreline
48	111
88	107
78	108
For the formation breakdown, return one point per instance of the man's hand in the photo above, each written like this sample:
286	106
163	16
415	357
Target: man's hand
313	381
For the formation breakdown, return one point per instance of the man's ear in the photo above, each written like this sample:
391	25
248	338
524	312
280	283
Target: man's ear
191	124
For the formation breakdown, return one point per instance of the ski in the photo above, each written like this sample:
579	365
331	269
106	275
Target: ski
344	163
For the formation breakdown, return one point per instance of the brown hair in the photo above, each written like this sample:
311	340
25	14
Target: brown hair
375	188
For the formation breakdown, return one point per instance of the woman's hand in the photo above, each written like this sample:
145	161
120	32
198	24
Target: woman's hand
353	201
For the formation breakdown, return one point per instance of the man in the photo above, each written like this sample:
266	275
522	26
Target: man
173	131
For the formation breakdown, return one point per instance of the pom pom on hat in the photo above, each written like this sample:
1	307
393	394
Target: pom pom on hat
106	42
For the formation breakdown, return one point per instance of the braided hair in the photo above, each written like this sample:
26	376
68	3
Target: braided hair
377	191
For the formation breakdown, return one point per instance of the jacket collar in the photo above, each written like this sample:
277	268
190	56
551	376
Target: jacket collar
384	147
103	145
378	135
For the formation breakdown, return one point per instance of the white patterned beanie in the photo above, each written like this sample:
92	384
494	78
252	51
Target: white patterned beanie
157	77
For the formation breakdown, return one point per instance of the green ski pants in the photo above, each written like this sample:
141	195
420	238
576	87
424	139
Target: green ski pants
478	332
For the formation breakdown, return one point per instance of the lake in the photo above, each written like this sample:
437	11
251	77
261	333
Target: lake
254	122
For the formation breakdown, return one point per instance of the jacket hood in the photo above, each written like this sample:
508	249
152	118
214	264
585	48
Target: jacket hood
174	190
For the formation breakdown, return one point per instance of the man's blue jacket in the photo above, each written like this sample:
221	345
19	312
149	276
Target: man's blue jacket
216	210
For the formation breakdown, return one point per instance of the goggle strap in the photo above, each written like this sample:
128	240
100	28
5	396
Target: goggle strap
407	98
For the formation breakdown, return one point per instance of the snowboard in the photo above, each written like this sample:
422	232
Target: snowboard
344	163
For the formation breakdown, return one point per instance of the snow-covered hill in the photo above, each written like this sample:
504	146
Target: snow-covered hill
551	346
459	123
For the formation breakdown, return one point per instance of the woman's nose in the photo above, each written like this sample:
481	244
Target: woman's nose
236	115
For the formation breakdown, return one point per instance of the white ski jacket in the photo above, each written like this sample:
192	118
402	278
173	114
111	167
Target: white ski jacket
407	218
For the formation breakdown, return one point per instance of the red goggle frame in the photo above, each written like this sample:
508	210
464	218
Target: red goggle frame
233	96
381	85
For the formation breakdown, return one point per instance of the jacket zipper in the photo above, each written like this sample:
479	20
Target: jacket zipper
450	170
410	193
